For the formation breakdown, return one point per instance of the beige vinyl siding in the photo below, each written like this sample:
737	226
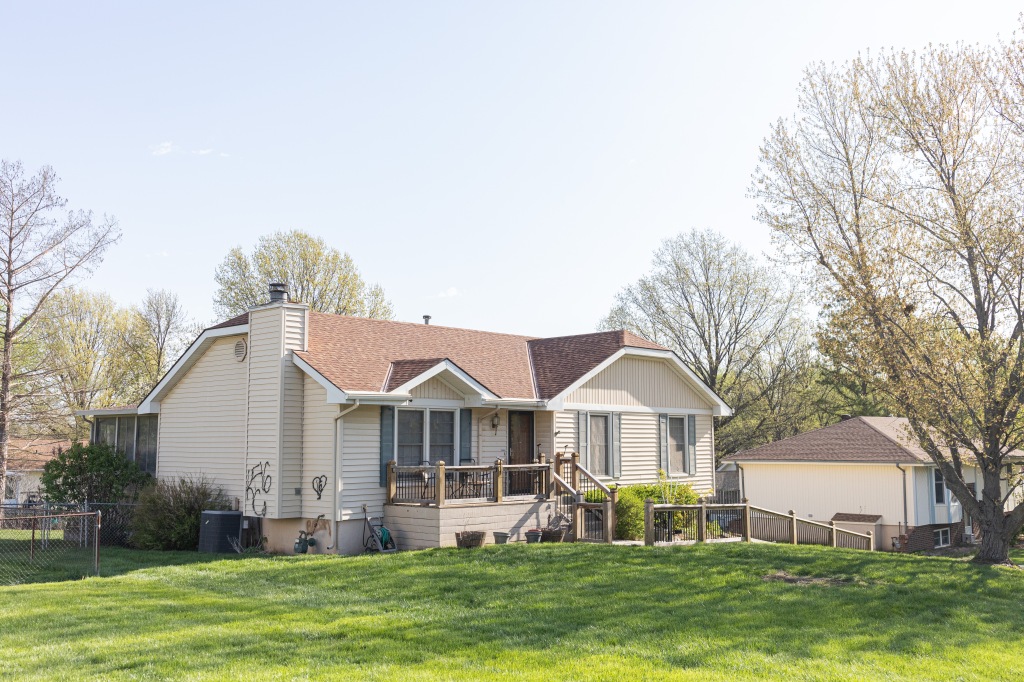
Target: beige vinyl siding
544	431
639	382
317	449
565	424
295	327
202	421
640	458
360	463
818	491
435	389
265	411
292	478
489	444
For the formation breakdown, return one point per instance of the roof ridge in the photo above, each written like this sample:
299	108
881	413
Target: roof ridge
863	418
420	324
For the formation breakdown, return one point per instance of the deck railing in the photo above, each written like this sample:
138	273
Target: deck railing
582	498
709	522
418	484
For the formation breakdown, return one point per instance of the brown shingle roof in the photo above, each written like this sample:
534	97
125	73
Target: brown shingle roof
559	361
356	353
407	370
32	454
360	354
860	439
233	322
856	518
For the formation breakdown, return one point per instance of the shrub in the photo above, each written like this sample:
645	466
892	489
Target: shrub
629	512
170	513
94	473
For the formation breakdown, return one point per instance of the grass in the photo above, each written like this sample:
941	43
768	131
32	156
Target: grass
574	612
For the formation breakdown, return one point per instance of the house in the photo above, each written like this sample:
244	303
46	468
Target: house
26	458
298	414
864	473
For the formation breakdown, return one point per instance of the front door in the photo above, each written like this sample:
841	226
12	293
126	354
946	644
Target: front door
520	451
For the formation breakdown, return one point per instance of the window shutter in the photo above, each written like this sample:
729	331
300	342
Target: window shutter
663	442
616	467
387	441
465	436
582	439
691	444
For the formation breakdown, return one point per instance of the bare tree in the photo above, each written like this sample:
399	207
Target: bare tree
42	249
898	186
159	331
735	322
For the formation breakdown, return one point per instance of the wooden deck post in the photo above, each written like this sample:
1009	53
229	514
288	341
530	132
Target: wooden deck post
499	481
832	533
392	479
613	510
746	522
609	520
871	542
792	527
439	484
648	521
574	475
546	476
702	522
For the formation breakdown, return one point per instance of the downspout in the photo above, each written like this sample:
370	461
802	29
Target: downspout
479	430
337	456
743	482
905	519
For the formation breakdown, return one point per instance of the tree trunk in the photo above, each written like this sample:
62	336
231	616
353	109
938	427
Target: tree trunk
6	370
996	533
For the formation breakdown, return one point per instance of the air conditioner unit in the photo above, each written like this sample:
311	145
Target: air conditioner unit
968	538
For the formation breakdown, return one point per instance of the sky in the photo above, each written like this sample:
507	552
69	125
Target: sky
499	166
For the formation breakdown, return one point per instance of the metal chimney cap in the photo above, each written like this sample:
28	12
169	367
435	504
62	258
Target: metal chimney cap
426	319
278	292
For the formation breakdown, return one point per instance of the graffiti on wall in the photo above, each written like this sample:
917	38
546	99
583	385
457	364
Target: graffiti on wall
319	483
257	484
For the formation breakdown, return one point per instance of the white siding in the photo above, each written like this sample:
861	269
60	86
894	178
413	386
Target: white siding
292	478
818	491
360	463
265	410
639	382
202	421
317	449
566	441
489	444
435	389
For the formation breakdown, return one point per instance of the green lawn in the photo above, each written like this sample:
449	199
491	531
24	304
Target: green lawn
538	612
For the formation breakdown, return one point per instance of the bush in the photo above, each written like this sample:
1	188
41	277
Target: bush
170	513
94	473
629	511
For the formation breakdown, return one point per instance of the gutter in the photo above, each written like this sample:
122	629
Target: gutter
337	456
743	481
906	524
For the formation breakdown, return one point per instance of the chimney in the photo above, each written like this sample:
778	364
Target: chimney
844	417
278	292
426	319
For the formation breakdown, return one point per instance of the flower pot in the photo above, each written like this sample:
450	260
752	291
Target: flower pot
500	538
469	539
552	535
533	536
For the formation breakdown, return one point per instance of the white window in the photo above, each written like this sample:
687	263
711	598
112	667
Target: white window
941	537
11	489
426	437
598	445
677	459
940	487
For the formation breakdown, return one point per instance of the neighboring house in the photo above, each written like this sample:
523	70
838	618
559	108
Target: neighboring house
285	409
864	473
26	458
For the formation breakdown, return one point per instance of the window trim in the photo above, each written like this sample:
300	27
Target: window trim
608	445
686	445
937	480
426	410
937	537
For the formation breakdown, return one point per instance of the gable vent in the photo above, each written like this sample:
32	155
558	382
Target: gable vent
240	350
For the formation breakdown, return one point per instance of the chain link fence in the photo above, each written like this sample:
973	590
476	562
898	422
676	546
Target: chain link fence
38	544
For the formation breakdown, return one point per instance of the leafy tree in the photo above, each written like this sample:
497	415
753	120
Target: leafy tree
42	250
317	274
897	187
91	473
736	323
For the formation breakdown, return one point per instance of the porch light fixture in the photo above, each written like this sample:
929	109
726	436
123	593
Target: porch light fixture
495	422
